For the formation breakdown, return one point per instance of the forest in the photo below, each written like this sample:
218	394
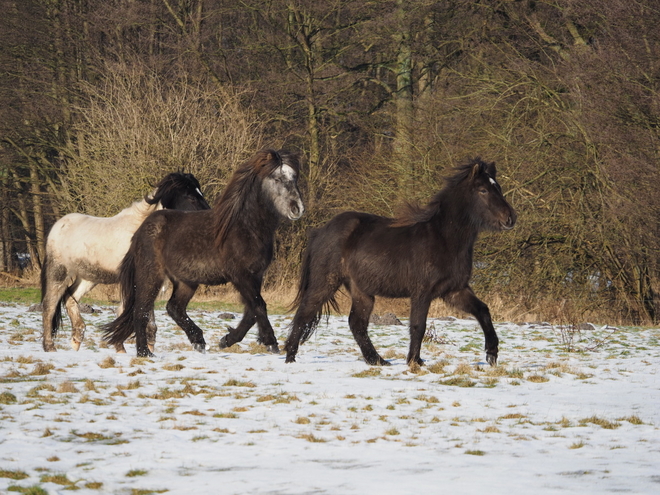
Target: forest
381	99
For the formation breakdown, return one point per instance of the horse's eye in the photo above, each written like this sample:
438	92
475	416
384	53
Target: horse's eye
483	190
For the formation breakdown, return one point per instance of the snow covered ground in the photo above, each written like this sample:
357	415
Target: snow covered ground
564	412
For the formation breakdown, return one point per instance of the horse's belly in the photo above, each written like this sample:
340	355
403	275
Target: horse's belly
97	274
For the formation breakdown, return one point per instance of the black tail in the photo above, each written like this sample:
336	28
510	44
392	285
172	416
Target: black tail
122	328
329	302
57	315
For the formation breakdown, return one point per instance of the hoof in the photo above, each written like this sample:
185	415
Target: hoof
200	348
290	359
120	349
75	345
273	348
223	343
50	348
491	359
145	353
418	362
152	347
379	361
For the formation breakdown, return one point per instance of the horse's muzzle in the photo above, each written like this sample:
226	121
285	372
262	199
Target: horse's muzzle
510	222
296	210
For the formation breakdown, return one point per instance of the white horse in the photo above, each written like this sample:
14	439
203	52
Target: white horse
83	251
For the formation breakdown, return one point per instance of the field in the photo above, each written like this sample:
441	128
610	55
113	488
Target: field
567	410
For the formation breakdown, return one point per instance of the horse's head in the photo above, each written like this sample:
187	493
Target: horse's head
179	191
489	208
280	183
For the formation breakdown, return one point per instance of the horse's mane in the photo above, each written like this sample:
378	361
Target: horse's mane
170	187
413	213
241	186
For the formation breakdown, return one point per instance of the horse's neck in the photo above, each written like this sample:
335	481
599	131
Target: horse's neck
139	210
454	226
264	219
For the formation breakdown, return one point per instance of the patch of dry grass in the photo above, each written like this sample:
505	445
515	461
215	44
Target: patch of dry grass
67	387
372	371
108	362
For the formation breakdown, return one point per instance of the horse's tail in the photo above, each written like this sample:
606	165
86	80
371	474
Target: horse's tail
117	331
57	315
328	301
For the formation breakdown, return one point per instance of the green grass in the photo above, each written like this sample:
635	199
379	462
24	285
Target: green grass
23	295
27	490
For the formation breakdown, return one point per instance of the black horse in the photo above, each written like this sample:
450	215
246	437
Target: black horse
83	251
232	242
422	255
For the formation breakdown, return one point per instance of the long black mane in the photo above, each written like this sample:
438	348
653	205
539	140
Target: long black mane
241	191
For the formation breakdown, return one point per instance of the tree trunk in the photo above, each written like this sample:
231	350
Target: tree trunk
403	100
37	211
5	239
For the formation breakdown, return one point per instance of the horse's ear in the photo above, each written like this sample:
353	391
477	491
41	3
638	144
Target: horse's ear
491	170
268	157
477	169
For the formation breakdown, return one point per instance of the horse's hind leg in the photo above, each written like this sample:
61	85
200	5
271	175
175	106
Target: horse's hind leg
304	321
176	308
358	321
71	302
51	312
465	300
315	296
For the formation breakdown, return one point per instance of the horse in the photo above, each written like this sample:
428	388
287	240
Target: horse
83	251
231	243
423	254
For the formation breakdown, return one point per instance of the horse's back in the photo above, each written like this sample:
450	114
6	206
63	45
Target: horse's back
79	241
372	253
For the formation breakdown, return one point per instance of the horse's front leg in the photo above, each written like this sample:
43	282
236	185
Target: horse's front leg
419	309
266	333
466	301
77	323
358	321
72	300
255	311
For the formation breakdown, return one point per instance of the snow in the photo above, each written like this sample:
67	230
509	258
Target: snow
564	412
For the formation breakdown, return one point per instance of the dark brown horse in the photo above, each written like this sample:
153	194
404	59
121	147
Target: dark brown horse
232	242
423	255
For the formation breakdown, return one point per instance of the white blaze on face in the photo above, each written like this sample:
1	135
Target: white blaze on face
281	187
492	181
199	192
287	172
